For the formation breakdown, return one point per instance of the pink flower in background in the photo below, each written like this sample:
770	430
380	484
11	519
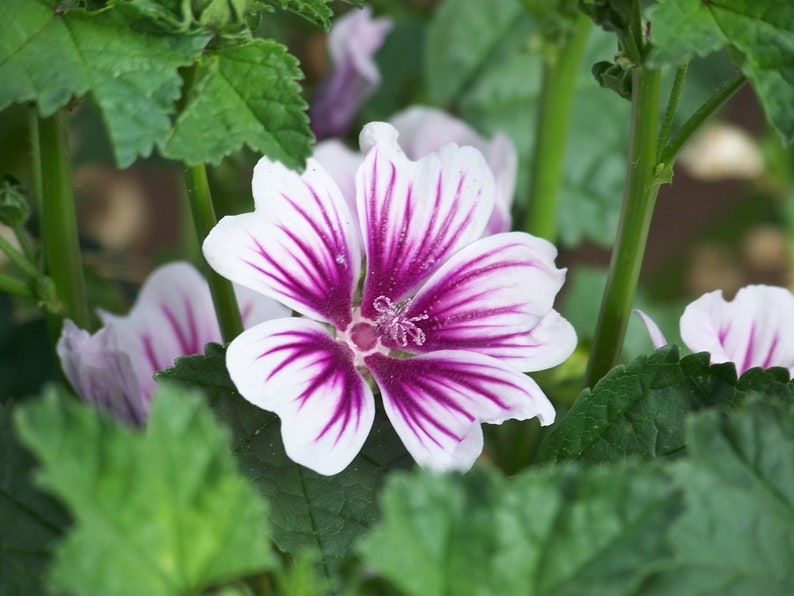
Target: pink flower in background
444	322
756	328
173	316
352	43
424	130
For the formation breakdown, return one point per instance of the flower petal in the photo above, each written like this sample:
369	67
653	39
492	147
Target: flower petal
493	297
101	373
424	129
657	337
755	329
414	215
437	401
299	246
354	76
294	368
342	163
173	316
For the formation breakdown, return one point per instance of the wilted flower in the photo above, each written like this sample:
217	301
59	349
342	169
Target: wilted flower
173	316
424	130
756	328
443	321
353	77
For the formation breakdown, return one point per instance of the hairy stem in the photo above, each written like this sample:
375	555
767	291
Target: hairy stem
553	124
639	197
672	104
691	126
204	219
58	219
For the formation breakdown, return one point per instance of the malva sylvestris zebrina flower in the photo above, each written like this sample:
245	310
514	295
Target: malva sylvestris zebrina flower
756	328
444	322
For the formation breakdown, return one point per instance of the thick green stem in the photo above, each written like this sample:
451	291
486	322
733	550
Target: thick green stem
638	201
204	219
691	126
58	219
553	124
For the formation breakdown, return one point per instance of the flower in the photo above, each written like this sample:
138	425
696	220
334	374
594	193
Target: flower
443	323
424	130
755	329
353	77
173	316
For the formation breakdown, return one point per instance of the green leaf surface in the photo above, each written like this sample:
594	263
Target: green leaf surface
164	511
49	57
486	66
737	535
562	530
308	511
243	94
317	11
759	35
30	520
639	410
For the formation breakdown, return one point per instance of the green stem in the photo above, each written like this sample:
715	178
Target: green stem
58	219
638	200
198	191
691	126
553	124
13	285
672	104
18	259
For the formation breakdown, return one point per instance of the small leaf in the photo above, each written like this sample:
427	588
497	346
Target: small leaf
639	410
759	35
309	511
736	534
30	520
160	512
561	530
317	11
244	94
49	57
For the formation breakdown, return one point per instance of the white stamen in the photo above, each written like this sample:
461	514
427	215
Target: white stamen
396	326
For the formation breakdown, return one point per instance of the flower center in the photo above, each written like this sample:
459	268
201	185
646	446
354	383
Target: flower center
394	325
363	335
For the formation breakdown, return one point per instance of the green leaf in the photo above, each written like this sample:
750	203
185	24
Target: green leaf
243	94
639	410
317	11
309	511
759	35
736	534
49	57
163	511
30	520
561	530
483	65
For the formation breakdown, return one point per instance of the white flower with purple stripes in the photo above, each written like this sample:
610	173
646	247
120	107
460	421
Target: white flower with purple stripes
409	300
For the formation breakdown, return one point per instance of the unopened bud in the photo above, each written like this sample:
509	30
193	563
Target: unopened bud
14	207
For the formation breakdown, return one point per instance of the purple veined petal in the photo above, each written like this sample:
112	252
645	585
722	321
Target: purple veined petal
425	129
437	401
173	316
657	337
352	43
101	373
415	215
293	367
493	297
299	246
754	329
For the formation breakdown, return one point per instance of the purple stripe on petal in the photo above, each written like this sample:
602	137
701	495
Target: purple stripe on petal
437	401
491	297
300	246
414	215
294	368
